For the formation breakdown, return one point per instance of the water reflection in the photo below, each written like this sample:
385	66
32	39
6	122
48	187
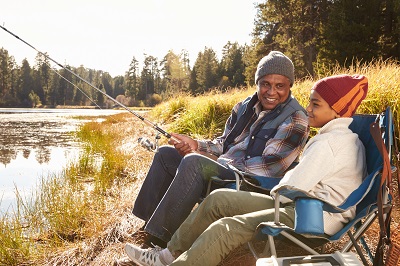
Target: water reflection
35	143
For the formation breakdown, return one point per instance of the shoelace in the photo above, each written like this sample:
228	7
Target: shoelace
151	254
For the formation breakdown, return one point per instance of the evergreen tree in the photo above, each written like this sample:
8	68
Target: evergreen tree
100	98
250	60
118	85
42	77
132	79
175	73
53	92
84	92
5	77
361	30
193	85
351	32
148	77
107	82
68	88
290	26
26	84
232	65
390	36
206	72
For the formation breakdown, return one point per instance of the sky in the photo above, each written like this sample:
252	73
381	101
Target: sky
106	35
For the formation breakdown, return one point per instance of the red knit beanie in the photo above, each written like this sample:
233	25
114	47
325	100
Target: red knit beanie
343	93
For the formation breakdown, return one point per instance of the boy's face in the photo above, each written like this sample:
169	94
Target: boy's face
272	90
319	112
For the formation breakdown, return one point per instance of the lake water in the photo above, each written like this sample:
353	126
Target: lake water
35	143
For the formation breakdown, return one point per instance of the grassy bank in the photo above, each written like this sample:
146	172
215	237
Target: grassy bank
204	116
82	216
77	205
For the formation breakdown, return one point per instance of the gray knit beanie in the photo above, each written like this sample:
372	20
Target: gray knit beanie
275	63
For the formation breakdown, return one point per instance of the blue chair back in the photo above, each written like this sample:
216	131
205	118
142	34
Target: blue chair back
360	125
371	184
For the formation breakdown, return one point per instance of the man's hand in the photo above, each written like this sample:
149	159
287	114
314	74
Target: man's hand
185	145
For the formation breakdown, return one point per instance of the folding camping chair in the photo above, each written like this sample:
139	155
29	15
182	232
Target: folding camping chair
372	198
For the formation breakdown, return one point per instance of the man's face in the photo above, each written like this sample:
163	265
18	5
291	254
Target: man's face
272	90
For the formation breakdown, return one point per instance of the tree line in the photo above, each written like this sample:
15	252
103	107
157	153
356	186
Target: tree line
315	34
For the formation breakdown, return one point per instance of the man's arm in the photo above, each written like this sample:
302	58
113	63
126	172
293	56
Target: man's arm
282	150
188	145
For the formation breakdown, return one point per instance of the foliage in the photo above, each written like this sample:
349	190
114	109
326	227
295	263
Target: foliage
314	34
326	32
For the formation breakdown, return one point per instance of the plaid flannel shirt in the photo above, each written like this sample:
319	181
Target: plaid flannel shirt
279	153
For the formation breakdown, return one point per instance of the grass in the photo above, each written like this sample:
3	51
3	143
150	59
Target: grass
204	116
82	217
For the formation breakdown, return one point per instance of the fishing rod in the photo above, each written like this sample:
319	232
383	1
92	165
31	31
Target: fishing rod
143	141
148	122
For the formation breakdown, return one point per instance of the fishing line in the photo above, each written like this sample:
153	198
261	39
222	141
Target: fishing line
148	122
75	86
143	141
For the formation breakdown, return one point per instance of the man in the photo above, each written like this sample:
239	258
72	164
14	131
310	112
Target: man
263	136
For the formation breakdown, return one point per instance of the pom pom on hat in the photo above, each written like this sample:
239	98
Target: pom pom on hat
275	63
343	93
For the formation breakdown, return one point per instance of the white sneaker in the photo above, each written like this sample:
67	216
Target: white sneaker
145	257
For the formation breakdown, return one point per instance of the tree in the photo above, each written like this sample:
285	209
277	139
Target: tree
291	26
360	30
6	88
107	81
150	74
313	33
206	70
119	85
175	72
232	64
100	99
42	77
389	39
34	99
83	95
26	83
67	88
132	79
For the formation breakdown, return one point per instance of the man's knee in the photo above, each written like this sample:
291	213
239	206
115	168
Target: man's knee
165	150
191	158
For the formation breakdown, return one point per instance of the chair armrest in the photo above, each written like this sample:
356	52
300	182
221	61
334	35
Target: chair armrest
293	193
221	181
308	213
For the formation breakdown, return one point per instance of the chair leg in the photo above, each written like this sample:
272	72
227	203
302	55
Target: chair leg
253	251
360	231
271	246
357	247
266	253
